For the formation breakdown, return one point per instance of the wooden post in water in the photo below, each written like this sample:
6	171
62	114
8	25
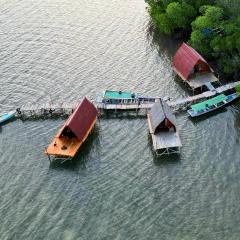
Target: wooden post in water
49	158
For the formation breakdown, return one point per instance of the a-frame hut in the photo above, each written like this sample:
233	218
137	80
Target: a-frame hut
163	128
192	68
75	131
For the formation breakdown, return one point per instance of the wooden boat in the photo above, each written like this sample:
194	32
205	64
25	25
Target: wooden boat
74	132
163	129
7	116
211	104
120	97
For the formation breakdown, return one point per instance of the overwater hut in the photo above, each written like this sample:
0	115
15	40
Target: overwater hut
74	132
192	68
163	129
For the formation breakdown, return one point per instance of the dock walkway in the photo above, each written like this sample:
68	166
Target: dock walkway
49	110
193	99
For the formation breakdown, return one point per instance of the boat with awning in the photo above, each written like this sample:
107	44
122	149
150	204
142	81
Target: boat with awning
123	97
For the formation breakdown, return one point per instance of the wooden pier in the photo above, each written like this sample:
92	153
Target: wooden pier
183	103
65	109
46	110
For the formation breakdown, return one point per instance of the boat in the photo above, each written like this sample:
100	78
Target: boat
74	132
7	116
163	129
123	97
211	104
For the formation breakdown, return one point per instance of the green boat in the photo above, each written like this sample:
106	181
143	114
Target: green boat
211	104
126	97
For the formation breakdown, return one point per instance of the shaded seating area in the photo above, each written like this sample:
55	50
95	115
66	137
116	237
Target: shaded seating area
163	129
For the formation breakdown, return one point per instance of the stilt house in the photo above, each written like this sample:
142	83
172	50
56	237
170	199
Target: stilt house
192	68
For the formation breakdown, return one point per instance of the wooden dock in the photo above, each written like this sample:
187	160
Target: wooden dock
64	109
185	102
46	110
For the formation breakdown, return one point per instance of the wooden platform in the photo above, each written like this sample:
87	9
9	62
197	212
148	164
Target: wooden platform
49	110
65	146
57	147
200	80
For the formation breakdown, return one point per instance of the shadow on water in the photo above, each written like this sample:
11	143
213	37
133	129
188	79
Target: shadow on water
163	42
236	108
141	114
167	159
43	117
80	160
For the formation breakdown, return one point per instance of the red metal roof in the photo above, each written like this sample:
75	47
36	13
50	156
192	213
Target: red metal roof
81	119
185	59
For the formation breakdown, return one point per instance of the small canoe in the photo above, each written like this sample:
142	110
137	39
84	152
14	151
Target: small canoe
74	132
211	104
7	116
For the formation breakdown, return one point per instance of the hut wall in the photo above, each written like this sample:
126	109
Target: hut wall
165	125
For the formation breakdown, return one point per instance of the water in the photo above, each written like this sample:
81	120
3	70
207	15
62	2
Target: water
116	189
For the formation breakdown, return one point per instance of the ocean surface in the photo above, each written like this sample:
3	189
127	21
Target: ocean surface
60	51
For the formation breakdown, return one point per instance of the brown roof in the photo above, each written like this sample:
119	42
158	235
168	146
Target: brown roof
159	112
185	59
81	120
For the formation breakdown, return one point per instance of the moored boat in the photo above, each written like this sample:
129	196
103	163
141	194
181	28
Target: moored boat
211	104
74	132
123	97
7	116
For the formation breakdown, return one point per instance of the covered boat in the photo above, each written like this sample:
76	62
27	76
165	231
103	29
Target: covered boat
211	104
74	132
123	97
163	129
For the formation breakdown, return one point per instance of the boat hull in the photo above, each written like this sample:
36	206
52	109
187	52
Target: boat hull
7	116
230	99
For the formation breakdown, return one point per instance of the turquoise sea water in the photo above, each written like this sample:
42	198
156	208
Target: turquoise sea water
59	51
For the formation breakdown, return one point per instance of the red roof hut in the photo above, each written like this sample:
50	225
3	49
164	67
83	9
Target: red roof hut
192	67
75	131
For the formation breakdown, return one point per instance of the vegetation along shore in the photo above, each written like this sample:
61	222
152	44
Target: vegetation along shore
211	27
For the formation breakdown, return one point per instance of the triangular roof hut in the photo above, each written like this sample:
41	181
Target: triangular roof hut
74	132
187	60
80	121
161	117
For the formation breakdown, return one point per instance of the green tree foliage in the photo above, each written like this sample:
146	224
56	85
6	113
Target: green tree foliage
214	34
211	19
164	24
181	14
238	90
